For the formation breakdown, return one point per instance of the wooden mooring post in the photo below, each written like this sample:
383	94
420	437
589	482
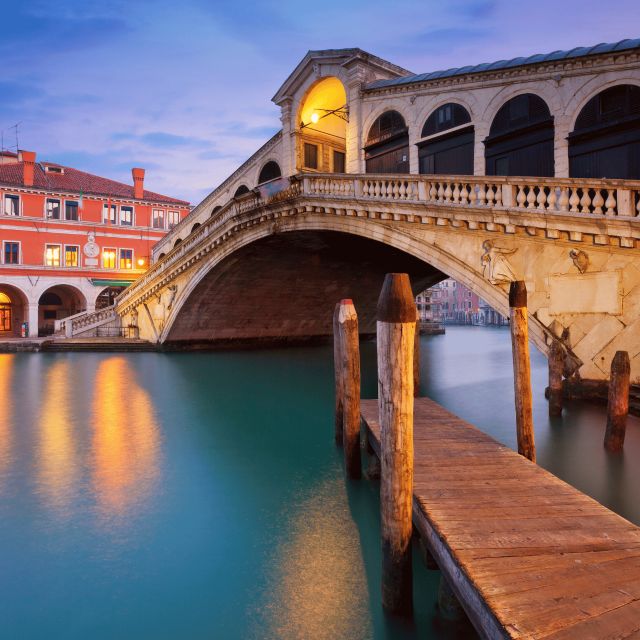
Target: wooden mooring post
349	353
618	405
396	326
556	368
521	369
338	376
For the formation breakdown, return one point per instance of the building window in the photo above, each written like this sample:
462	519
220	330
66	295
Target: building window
126	258
173	217
109	213
11	205
126	216
71	255
338	162
53	209
52	255
5	312
108	258
11	252
310	155
157	219
70	210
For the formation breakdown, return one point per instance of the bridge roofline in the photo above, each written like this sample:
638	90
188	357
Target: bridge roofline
342	57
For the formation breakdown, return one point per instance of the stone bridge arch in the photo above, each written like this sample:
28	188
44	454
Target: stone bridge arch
427	262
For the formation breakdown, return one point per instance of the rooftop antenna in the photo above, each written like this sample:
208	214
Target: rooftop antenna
17	145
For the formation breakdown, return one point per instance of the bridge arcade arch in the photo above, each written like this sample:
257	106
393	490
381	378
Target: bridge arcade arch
14	310
58	302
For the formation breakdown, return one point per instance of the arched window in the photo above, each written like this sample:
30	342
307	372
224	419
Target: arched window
195	226
449	145
215	210
520	142
162	255
387	147
241	190
177	242
5	312
605	142
270	171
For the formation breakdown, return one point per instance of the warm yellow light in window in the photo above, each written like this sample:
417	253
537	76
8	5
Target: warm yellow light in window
315	117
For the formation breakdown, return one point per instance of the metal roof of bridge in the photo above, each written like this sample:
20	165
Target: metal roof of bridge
577	52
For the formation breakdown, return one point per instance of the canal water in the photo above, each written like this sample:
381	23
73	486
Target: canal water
201	496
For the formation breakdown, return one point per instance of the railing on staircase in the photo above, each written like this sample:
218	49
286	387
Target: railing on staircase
86	321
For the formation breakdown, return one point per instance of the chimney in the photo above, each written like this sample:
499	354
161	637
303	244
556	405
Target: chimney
138	183
29	162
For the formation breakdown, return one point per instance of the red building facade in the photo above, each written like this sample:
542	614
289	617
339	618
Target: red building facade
71	240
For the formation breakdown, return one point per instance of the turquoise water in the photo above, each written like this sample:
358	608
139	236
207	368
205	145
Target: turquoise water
201	496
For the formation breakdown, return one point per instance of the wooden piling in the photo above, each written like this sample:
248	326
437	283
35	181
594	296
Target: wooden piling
618	405
521	369
338	374
349	351
448	604
396	325
556	367
416	360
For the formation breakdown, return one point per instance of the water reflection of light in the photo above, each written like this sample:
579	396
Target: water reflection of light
319	588
6	411
57	453
125	439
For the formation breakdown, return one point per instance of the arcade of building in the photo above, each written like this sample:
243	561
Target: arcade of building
565	114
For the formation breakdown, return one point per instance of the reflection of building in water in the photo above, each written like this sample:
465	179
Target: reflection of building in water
6	409
126	440
58	463
319	586
450	302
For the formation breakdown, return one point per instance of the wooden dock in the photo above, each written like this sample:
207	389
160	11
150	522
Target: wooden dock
527	555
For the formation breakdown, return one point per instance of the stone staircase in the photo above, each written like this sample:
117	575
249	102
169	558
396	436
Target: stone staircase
87	323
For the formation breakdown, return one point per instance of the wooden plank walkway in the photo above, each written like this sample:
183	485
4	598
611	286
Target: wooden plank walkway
528	555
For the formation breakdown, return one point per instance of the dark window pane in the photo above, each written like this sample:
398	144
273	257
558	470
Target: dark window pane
310	156
338	162
71	210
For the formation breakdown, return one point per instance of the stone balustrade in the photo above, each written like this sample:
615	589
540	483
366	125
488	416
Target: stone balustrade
542	196
85	321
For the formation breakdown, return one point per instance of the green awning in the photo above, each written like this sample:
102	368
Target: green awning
110	283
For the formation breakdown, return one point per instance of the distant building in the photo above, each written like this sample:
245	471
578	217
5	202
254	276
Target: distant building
71	240
450	302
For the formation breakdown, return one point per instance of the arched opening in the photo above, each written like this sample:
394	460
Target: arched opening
215	210
108	296
270	171
520	141
56	303
387	146
162	255
177	242
13	311
322	128
241	190
605	142
447	142
319	268
195	226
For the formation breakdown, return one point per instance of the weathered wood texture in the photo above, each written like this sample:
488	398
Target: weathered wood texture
527	555
338	375
396	346
556	368
618	405
521	369
349	353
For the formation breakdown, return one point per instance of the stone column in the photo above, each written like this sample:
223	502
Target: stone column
32	319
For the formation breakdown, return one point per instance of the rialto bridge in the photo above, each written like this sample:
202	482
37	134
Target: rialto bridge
377	170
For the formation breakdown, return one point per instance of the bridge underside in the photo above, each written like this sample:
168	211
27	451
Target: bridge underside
284	288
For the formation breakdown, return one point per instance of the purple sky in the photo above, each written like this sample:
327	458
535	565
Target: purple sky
183	88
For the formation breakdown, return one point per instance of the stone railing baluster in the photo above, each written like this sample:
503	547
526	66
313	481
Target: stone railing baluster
598	201
585	201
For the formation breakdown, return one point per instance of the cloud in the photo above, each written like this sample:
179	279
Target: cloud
160	139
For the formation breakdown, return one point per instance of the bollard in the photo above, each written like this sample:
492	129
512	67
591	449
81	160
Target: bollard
396	327
618	405
337	370
556	367
349	351
521	369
